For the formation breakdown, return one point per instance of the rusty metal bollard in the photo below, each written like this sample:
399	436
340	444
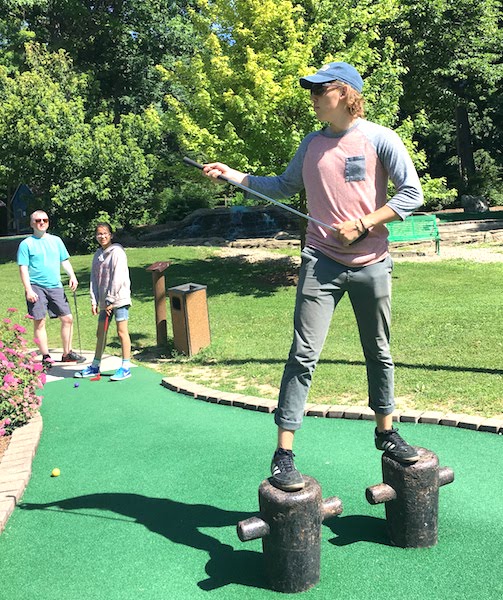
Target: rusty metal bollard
411	496
290	527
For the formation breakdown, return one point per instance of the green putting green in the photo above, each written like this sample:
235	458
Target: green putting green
152	484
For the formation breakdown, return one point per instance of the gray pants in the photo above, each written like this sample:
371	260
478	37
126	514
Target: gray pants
322	284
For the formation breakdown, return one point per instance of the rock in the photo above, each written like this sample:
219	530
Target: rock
474	204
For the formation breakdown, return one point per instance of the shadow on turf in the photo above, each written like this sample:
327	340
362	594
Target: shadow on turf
358	528
180	523
358	363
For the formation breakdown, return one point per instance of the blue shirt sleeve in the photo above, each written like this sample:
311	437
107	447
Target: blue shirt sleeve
287	184
23	254
63	252
396	160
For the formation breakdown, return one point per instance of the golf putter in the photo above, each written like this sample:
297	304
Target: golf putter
77	319
193	163
103	345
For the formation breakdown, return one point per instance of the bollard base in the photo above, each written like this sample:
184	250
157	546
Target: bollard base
290	527
412	510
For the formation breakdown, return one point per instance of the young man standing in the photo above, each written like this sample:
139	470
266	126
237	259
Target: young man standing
40	258
344	169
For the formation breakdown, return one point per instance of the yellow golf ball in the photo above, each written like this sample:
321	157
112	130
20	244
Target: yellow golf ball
55	473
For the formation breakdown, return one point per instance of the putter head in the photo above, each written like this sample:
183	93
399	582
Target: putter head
96	377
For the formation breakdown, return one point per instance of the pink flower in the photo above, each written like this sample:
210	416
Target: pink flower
27	316
20	376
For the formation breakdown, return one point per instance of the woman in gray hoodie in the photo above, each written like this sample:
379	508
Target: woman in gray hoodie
110	291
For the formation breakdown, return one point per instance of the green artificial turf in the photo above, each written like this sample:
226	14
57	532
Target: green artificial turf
152	484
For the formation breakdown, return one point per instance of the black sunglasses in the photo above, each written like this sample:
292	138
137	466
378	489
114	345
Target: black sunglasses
318	89
41	220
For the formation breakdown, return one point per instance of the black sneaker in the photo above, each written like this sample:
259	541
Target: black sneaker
72	357
395	446
284	474
47	362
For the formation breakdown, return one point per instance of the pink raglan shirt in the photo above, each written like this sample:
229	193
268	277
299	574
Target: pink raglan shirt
346	177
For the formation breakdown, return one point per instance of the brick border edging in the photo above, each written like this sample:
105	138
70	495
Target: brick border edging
201	392
15	466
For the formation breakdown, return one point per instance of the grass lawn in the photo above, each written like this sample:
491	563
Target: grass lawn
447	329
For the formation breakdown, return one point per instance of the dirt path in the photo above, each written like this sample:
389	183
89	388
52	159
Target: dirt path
417	253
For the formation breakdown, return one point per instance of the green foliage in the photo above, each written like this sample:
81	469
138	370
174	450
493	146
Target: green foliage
74	166
115	177
487	181
178	202
117	44
97	100
436	193
239	100
453	51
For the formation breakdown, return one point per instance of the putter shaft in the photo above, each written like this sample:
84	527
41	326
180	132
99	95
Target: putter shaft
77	319
245	188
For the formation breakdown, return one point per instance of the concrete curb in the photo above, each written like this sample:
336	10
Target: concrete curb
336	411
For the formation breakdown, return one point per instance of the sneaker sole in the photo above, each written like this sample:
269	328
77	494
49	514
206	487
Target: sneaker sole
406	461
294	487
120	378
76	376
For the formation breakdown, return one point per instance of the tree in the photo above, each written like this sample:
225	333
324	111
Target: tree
239	98
117	42
453	50
75	167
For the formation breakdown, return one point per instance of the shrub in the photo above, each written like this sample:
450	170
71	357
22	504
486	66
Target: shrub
20	377
181	201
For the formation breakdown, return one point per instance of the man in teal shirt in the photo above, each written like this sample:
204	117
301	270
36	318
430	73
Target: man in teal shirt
40	258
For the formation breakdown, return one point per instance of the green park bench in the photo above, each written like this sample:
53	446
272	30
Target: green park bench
416	228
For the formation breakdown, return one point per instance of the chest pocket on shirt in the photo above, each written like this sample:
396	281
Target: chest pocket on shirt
354	169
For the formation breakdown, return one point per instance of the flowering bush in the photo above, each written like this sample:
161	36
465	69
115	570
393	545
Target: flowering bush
20	377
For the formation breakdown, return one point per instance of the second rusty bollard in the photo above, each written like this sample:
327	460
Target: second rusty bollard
290	527
411	496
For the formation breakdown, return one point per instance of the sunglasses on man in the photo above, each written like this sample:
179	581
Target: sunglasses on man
41	220
319	89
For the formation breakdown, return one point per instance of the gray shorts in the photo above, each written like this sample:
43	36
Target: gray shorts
50	300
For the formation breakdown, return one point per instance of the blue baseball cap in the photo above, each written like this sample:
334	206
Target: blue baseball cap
339	71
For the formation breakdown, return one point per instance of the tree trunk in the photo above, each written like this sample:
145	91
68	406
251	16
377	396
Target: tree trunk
464	146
